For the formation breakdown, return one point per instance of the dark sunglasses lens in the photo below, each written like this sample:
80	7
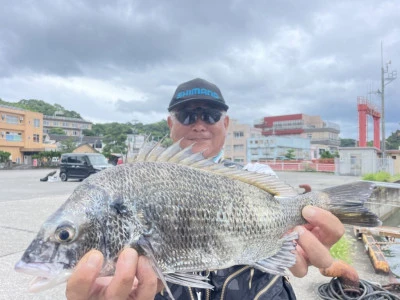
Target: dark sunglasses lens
211	116
186	117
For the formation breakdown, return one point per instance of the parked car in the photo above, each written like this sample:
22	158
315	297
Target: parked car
116	159
81	165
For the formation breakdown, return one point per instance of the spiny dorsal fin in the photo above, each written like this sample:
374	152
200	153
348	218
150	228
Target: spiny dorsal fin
147	147
175	154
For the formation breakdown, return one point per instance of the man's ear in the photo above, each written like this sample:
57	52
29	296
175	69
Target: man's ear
226	122
169	121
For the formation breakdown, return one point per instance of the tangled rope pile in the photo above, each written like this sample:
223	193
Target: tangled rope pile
368	291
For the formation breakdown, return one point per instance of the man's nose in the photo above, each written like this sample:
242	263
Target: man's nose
199	125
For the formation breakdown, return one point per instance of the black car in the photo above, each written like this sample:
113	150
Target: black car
81	165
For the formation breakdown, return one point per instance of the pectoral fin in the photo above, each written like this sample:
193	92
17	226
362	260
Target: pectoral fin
281	261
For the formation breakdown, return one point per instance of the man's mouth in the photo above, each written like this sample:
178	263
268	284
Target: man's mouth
198	139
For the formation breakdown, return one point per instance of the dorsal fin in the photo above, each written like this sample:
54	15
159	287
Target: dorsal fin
146	148
154	152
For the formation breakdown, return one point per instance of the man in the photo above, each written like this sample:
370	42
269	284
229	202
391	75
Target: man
198	116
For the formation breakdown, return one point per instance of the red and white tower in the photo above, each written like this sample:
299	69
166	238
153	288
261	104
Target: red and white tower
366	108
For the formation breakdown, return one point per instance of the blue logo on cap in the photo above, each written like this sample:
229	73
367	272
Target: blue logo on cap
197	91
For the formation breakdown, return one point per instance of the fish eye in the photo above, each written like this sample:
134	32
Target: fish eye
64	234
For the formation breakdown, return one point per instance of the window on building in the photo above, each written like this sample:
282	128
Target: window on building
55	123
265	152
46	123
36	123
238	160
238	134
11	119
13	136
65	124
238	147
36	138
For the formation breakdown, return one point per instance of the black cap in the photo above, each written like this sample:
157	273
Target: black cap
198	90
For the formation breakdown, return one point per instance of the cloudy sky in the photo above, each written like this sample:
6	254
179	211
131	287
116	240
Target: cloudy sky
119	61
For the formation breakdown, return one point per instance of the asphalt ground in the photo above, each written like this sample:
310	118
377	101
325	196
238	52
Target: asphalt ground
25	202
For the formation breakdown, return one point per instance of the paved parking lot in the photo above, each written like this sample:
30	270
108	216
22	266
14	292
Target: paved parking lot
25	203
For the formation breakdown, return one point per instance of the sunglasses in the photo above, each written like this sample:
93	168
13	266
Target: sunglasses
190	116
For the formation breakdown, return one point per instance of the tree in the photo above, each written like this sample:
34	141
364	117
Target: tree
4	156
327	154
156	130
393	141
347	143
115	138
290	154
68	145
57	130
88	132
42	107
99	129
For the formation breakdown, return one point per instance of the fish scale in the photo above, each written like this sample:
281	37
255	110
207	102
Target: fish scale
221	230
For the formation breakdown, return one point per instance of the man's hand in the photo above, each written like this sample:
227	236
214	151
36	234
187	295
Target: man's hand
134	278
315	240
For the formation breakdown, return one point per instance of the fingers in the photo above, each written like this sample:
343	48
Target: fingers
122	283
80	283
300	269
147	286
315	252
324	225
315	239
83	284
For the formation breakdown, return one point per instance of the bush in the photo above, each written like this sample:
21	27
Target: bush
369	176
380	176
342	250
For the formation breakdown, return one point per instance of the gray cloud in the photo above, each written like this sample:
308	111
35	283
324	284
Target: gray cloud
115	62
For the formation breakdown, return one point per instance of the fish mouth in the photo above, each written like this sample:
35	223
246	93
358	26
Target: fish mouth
46	275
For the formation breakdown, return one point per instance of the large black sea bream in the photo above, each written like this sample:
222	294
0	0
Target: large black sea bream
187	214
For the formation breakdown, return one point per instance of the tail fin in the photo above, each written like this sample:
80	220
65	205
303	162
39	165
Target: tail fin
347	203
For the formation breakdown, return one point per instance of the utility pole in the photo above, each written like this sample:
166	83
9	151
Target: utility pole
385	81
134	152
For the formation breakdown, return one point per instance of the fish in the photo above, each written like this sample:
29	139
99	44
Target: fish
187	214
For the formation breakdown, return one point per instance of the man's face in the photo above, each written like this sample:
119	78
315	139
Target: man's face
208	138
